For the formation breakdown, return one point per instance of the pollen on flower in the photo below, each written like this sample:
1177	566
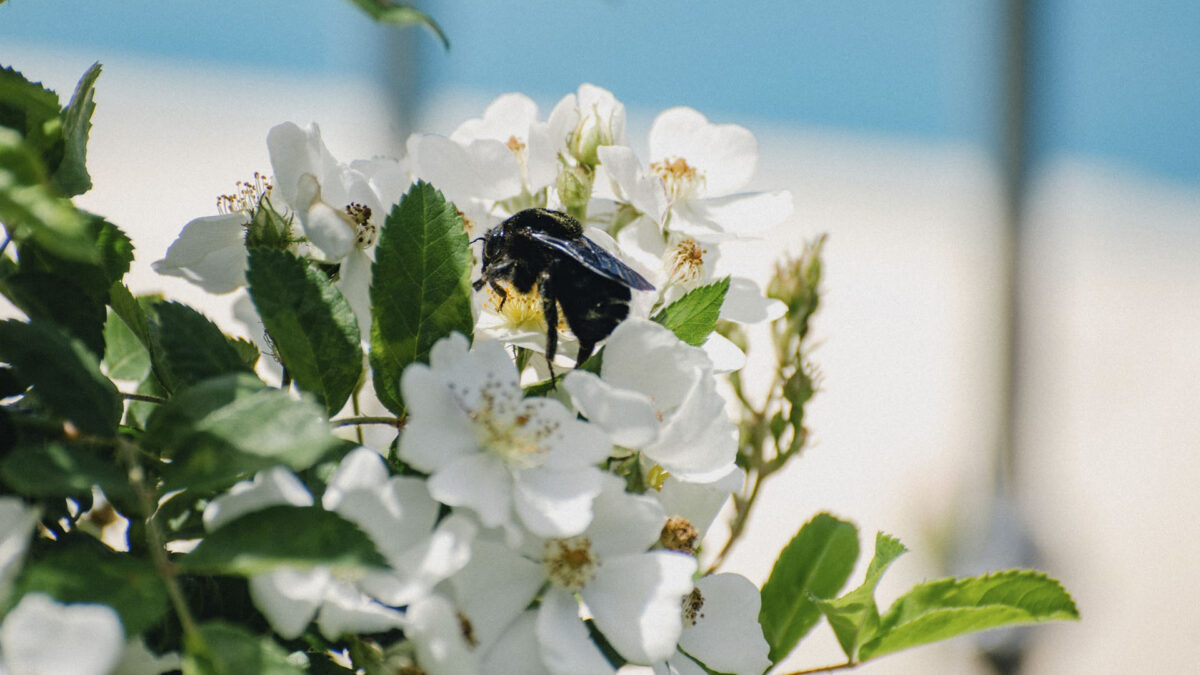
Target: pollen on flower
657	475
678	534
521	311
505	427
569	563
246	196
680	179
366	232
685	261
693	603
515	145
468	631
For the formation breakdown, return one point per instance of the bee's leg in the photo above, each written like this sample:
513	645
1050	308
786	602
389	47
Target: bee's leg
550	313
585	350
495	284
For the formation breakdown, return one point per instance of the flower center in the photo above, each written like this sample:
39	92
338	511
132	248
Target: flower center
685	261
366	232
522	311
680	179
507	426
570	563
245	197
679	535
515	145
693	603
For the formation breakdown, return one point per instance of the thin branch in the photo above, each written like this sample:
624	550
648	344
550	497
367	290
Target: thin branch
825	669
367	419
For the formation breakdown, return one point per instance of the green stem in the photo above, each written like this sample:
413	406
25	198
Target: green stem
368	419
825	669
156	541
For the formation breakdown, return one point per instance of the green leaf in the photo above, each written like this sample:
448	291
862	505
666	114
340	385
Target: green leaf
401	14
30	207
694	316
817	561
34	112
64	374
57	470
71	176
227	649
224	428
314	330
81	569
420	289
943	609
45	296
296	536
125	358
190	348
854	617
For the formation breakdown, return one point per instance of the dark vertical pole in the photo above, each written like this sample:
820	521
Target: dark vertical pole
1006	541
1014	156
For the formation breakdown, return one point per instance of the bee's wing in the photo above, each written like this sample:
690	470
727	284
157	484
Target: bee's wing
594	257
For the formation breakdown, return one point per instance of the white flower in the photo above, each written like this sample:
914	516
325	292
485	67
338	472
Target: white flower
437	633
395	512
508	459
42	637
16	526
695	171
341	208
505	154
657	394
588	119
210	252
720	629
632	594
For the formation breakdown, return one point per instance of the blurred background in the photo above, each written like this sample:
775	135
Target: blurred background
1008	336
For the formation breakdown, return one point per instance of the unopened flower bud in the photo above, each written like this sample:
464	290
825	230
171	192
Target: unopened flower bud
574	187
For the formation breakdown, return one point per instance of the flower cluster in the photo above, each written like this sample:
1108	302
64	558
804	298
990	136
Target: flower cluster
519	520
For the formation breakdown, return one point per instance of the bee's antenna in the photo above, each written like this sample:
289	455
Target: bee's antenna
475	240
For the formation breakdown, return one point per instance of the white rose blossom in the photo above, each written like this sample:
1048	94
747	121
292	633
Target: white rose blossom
514	462
720	630
633	594
396	513
658	395
41	636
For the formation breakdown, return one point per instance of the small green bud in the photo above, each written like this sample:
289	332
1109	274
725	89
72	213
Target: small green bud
574	185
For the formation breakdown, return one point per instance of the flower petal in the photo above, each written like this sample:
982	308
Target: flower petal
517	650
435	630
726	357
16	529
270	487
210	252
480	482
628	416
726	154
494	587
726	635
635	601
438	431
700	503
556	503
745	302
289	598
631	183
347	611
741	215
566	647
624	523
42	636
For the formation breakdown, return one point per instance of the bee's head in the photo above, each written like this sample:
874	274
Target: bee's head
493	242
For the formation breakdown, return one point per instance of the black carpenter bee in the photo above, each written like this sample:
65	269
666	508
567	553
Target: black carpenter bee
547	250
